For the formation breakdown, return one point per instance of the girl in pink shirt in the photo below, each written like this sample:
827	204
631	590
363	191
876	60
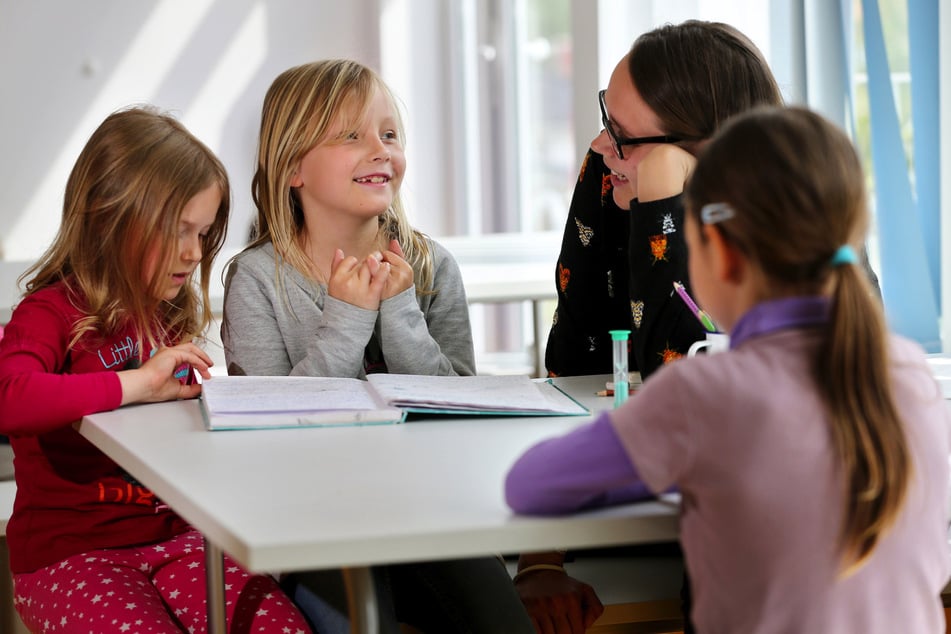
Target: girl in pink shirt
108	318
812	456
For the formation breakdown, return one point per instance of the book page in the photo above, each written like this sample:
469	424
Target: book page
475	394
557	400
271	394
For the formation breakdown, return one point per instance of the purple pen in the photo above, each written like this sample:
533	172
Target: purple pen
699	314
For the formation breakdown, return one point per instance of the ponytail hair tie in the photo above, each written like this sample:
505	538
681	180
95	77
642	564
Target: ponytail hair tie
843	255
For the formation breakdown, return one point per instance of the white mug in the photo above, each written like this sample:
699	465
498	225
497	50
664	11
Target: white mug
715	342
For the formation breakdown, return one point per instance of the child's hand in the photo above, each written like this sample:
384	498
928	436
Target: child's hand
663	172
401	273
155	380
358	283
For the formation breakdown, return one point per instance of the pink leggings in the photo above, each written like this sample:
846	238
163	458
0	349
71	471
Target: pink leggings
159	589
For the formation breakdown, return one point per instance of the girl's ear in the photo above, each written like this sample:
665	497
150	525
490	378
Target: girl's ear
728	262
296	180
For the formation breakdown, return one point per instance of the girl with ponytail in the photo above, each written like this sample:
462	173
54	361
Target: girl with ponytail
812	457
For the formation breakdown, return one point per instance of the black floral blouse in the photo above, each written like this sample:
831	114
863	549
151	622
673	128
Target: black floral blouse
616	270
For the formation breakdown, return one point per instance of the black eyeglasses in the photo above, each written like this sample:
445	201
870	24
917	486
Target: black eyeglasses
618	142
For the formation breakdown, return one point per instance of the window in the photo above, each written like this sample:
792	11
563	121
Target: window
895	29
516	82
518	62
895	77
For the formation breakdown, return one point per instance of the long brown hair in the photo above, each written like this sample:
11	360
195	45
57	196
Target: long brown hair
796	188
300	108
696	74
124	197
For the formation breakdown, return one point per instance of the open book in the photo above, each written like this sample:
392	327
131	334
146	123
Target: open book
257	402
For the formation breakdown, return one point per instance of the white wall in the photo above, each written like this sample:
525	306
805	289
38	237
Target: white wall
65	65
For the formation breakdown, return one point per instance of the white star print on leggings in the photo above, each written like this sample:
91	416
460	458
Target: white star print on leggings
153	589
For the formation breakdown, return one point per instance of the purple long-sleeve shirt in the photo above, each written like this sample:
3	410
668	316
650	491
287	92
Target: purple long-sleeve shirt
589	467
745	435
584	468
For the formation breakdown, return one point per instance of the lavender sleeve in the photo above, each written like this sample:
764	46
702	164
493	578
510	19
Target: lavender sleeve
588	467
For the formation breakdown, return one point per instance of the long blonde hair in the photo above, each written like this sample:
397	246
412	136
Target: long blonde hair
300	108
797	191
124	197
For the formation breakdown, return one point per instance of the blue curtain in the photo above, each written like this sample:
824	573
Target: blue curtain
908	214
923	50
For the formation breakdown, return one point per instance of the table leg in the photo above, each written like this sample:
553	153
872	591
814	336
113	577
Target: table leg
215	587
537	346
361	600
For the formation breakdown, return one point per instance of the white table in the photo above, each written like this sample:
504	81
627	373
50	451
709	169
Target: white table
352	497
504	283
940	364
511	268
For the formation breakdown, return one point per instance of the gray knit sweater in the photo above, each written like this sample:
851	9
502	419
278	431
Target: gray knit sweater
308	333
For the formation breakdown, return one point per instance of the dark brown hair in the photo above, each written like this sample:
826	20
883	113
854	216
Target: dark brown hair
695	75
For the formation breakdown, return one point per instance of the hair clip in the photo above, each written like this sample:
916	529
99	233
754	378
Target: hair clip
712	213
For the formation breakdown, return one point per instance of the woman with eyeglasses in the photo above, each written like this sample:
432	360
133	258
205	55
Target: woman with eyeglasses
624	243
624	246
